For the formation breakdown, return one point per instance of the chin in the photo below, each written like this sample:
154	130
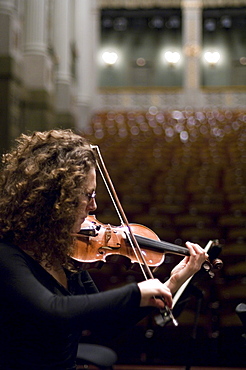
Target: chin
76	228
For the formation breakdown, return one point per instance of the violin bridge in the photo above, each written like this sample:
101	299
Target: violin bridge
108	234
110	239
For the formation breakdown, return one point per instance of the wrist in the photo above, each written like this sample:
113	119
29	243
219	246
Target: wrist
173	284
170	284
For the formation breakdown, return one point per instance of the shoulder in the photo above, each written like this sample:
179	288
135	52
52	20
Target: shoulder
7	249
12	255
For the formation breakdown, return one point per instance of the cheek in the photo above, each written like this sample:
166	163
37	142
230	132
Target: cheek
81	214
82	207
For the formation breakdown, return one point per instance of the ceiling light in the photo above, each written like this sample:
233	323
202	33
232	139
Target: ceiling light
173	22
141	62
210	25
109	57
157	22
242	61
107	22
212	57
172	57
120	24
226	21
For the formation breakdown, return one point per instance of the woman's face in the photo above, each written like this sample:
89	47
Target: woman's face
87	203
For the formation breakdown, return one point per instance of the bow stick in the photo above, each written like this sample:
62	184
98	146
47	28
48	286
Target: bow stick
166	312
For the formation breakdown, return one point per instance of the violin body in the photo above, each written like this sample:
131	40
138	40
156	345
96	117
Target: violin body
97	243
107	243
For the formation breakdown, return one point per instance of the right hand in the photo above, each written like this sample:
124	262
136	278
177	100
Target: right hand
151	292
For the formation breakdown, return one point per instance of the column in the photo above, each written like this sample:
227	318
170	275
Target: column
37	62
61	40
7	8
192	34
96	30
85	13
38	71
10	73
62	48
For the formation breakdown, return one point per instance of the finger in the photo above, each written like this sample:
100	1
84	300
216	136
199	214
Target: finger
157	302
190	246
167	297
163	294
161	302
168	301
200	251
196	249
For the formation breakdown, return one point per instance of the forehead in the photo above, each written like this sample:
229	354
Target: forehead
90	182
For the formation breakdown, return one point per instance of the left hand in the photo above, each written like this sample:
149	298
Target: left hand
187	267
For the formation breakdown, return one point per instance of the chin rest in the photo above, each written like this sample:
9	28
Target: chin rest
102	357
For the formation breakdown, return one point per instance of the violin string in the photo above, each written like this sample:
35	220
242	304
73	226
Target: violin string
162	245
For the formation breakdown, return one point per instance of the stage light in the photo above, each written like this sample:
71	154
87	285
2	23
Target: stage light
109	58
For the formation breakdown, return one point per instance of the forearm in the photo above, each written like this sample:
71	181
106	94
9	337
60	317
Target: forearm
173	284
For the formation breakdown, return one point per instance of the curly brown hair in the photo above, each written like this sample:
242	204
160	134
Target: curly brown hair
40	185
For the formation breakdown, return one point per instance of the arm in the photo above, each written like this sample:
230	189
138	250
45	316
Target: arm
21	288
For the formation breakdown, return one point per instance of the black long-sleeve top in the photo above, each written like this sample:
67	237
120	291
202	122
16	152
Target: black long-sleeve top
41	321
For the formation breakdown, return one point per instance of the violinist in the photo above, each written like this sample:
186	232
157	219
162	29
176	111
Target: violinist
47	189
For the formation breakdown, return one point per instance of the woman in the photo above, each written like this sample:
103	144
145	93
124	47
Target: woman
47	189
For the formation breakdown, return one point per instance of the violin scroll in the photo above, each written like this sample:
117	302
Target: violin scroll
214	263
217	264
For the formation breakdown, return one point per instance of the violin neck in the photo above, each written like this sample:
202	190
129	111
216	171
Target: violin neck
161	246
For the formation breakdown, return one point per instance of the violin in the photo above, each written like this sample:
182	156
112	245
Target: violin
97	244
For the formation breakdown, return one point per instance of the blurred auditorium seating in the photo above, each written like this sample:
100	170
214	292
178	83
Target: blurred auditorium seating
185	165
183	174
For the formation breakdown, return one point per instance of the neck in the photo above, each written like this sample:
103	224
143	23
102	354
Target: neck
56	270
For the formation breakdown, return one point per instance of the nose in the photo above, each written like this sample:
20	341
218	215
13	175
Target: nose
92	206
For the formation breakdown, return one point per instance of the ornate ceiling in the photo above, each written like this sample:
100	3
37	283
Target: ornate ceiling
168	3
